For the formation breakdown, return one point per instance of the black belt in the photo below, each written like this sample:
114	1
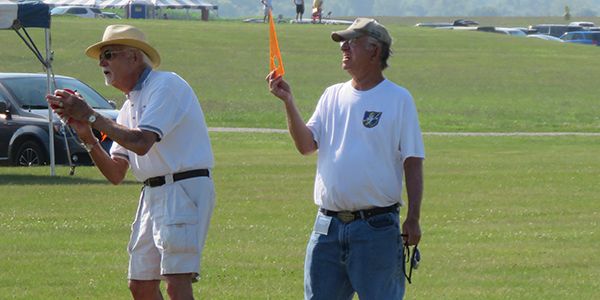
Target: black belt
160	180
349	216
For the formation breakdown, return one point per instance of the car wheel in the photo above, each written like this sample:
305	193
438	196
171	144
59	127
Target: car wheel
30	154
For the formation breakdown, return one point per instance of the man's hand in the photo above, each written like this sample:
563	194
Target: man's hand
278	87
413	230
70	104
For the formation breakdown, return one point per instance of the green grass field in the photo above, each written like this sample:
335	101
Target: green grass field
503	217
461	81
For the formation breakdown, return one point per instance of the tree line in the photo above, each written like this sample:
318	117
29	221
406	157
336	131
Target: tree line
242	8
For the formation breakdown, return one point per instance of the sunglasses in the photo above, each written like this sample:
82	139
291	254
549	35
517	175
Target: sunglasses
413	259
109	54
351	42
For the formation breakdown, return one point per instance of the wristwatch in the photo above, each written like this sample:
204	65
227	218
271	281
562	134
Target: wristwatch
92	118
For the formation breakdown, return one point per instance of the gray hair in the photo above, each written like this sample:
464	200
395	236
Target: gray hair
386	51
145	57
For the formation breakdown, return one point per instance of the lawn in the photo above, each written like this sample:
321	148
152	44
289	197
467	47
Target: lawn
503	218
461	81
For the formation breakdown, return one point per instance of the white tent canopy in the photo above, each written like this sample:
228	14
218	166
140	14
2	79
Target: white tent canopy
162	4
90	3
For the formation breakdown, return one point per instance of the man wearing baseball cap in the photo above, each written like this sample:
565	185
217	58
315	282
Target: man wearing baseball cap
368	137
161	135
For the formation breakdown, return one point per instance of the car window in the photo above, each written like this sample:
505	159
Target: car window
543	29
567	37
58	10
3	100
77	11
577	36
31	92
557	30
96	10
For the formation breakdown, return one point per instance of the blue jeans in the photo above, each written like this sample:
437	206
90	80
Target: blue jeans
363	256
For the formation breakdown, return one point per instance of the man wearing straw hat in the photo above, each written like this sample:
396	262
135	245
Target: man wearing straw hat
369	139
161	135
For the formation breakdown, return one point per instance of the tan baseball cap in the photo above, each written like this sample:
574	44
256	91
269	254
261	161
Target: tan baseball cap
360	27
125	35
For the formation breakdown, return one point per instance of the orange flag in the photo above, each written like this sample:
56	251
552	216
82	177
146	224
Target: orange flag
274	45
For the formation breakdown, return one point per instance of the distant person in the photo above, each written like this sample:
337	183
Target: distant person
368	138
161	135
165	17
268	7
299	10
317	10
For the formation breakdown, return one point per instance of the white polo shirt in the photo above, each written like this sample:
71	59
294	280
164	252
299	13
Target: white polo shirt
164	103
364	137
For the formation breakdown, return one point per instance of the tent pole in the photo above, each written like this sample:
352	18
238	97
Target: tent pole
49	89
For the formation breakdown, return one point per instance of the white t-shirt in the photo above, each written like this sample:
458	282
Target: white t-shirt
269	5
298	2
166	105
364	137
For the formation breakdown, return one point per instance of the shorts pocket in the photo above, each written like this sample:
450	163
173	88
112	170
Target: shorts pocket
181	235
180	229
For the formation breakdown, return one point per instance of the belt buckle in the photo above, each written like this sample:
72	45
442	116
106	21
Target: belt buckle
346	216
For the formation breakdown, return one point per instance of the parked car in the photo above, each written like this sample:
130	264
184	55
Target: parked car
502	30
109	15
527	31
545	37
555	30
79	11
582	37
583	24
24	136
460	22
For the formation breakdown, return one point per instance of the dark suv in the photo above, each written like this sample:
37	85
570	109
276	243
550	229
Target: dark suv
24	130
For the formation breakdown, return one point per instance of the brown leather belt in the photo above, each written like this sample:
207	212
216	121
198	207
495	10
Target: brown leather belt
349	216
160	180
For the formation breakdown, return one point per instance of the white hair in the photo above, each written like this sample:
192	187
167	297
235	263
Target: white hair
145	57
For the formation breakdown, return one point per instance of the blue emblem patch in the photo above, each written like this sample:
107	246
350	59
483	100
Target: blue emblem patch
371	118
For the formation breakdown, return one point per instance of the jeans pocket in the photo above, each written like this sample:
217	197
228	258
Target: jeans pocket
382	222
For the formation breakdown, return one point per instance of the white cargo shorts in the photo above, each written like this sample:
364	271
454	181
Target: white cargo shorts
170	229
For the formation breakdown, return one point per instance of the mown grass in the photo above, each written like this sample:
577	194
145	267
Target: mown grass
503	218
461	81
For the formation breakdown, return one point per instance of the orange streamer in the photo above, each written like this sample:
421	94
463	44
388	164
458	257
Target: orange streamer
274	46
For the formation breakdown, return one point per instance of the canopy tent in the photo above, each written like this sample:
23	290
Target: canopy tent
162	4
24	14
90	3
19	15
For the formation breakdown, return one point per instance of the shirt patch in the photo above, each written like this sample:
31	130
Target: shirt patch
371	118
